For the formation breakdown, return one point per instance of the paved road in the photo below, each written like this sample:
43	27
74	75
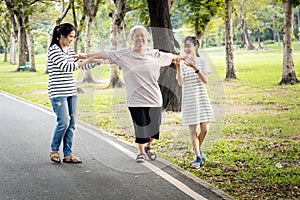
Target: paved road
109	170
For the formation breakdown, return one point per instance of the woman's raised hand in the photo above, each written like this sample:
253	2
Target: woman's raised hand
190	63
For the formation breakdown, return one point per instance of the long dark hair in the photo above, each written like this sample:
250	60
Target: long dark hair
195	42
63	29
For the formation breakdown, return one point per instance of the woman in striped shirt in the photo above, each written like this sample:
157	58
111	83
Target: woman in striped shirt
62	89
196	107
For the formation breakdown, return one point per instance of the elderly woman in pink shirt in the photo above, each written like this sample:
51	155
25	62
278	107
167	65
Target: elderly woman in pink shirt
141	66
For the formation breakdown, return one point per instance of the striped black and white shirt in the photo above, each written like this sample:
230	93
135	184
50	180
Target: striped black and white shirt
60	67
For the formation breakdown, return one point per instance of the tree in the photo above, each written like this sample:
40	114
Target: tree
261	19
288	68
230	69
21	11
298	32
63	12
79	27
13	36
30	43
244	30
5	31
90	11
4	35
118	39
264	20
137	12
17	8
199	14
163	39
276	24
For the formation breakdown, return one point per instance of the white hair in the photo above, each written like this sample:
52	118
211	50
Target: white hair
138	27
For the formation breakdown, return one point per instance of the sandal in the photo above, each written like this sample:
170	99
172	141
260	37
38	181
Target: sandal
141	158
72	159
54	156
150	152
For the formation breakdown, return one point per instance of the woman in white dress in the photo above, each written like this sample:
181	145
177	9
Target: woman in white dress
196	108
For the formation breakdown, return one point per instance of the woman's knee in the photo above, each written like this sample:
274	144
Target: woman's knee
204	128
64	123
204	131
194	136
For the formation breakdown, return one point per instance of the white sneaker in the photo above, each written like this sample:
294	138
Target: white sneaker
196	165
202	155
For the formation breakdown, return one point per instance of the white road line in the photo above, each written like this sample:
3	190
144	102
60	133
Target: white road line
181	186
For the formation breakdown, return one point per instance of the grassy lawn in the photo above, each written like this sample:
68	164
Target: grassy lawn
253	147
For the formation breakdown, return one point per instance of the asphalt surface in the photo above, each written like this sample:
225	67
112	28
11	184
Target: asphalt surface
108	171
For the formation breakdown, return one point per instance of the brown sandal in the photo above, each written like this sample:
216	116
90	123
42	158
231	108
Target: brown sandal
72	159
150	152
140	158
54	156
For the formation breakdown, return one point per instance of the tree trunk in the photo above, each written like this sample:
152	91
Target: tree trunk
117	39
258	39
88	30
246	34
199	34
299	24
90	11
22	46
163	39
230	69
5	51
30	42
278	38
277	35
243	40
115	80
78	28
78	34
5	38
12	52
220	38
288	69
19	18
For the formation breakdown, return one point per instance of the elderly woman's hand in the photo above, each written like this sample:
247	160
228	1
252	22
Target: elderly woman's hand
81	56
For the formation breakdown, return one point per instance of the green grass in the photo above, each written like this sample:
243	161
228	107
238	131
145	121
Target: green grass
253	149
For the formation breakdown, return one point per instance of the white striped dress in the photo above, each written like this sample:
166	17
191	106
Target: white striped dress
196	107
60	67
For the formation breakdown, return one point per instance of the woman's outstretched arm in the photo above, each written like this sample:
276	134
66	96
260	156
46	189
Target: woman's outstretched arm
97	55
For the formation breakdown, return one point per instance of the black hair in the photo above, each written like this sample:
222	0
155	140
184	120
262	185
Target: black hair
195	42
63	29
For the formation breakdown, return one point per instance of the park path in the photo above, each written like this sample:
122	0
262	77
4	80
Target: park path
109	170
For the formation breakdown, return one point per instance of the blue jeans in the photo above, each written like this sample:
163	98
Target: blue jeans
65	109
